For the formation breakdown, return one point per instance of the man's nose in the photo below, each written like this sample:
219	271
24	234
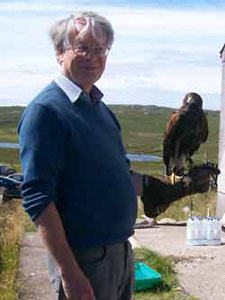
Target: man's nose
89	54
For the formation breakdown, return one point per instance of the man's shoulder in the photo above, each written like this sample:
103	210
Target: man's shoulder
49	95
51	99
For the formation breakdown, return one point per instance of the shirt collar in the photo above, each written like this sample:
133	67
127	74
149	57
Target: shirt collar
73	91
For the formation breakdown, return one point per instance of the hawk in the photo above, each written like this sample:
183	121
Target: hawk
186	130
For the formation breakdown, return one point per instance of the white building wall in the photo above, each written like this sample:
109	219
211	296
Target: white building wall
220	207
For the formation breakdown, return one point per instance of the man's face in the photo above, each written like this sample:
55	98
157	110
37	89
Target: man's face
82	63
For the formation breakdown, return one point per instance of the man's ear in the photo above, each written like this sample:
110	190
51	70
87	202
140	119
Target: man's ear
60	55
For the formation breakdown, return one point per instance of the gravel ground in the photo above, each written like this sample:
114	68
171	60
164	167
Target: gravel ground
33	273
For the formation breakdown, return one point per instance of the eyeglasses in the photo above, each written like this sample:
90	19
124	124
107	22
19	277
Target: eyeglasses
84	49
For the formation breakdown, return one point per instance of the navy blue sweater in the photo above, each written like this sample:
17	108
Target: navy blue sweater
72	155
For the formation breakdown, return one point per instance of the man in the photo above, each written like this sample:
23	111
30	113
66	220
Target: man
77	184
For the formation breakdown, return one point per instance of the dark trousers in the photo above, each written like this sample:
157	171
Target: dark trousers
109	270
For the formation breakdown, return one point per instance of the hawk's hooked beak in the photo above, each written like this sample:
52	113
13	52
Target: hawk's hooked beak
189	100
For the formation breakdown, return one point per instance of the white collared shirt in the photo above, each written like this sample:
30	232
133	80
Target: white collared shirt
72	90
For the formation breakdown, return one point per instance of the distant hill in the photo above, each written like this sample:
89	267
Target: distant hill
10	114
142	128
9	117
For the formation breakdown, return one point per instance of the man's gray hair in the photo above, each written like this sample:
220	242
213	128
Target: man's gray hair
92	22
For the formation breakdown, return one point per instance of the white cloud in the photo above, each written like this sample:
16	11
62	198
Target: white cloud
127	81
204	80
171	51
151	22
189	78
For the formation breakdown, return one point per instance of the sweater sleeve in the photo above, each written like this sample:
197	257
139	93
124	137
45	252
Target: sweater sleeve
42	144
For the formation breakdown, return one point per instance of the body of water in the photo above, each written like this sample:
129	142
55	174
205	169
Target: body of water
9	145
143	157
132	157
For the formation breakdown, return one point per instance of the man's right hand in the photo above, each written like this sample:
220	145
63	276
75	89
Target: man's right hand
75	284
77	287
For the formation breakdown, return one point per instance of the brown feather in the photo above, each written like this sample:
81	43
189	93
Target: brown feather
185	131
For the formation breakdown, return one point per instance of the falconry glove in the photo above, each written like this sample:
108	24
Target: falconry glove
157	195
200	178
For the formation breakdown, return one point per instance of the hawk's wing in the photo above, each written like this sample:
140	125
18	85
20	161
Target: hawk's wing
204	132
184	133
200	134
175	131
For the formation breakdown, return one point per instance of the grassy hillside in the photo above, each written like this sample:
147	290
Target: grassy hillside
143	127
142	130
9	117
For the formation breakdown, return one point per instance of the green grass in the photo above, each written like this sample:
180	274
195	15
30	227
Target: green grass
9	117
10	157
169	287
12	226
200	202
8	272
150	168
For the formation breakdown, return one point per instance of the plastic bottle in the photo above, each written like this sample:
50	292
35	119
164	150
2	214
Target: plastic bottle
194	231
213	232
199	231
190	230
208	234
204	229
218	231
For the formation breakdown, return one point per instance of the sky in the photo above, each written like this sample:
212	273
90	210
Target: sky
163	50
